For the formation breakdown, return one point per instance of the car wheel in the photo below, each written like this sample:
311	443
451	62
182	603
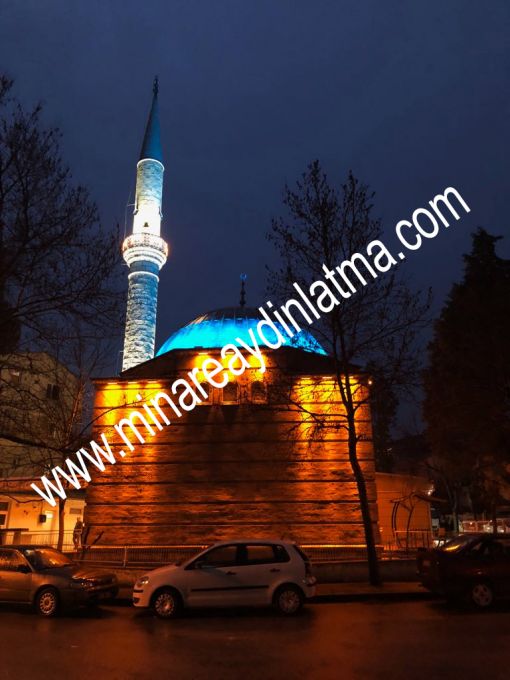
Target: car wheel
93	603
166	603
482	595
46	602
288	600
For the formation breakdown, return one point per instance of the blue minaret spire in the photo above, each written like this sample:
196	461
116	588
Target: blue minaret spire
144	251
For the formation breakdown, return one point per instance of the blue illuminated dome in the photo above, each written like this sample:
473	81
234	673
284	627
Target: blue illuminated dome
222	326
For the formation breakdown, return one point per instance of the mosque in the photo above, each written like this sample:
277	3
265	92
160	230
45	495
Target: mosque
246	462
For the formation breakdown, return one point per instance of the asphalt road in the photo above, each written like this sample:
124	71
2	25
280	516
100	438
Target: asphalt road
381	639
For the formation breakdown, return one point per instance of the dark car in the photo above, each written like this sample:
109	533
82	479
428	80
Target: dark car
47	579
472	566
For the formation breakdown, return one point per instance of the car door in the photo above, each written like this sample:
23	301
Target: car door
212	579
483	562
500	557
506	566
262	564
15	585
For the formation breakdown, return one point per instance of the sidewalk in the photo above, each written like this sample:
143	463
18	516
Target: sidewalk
350	592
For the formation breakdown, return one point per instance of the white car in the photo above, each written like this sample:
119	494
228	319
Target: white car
229	574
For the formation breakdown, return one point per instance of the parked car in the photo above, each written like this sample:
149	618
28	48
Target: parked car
46	578
472	566
230	573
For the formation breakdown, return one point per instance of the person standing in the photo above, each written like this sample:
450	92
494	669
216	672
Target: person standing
77	533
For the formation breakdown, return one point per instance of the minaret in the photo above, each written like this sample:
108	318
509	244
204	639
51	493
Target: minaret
144	251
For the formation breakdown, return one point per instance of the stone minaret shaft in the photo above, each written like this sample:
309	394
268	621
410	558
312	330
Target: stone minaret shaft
145	252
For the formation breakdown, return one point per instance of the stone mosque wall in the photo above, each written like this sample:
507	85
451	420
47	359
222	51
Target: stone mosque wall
243	464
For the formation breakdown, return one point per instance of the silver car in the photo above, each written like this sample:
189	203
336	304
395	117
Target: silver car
230	573
47	579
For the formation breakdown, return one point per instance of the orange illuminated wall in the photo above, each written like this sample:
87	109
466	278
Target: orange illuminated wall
255	466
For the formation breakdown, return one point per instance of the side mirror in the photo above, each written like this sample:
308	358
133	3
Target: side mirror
24	569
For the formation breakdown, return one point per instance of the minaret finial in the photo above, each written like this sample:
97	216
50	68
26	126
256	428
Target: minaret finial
242	300
155	86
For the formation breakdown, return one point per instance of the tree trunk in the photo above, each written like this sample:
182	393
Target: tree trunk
494	518
455	514
373	563
61	508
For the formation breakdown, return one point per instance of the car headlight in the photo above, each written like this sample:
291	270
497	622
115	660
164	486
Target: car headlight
80	583
143	581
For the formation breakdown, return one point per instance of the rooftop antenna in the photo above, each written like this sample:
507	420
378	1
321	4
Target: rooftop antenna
242	300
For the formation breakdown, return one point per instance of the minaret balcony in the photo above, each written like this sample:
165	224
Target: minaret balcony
145	247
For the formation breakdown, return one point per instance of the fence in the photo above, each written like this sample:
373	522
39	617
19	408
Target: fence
404	545
48	538
410	541
469	526
131	556
139	556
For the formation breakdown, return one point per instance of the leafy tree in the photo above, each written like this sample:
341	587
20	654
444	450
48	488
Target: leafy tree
375	326
467	382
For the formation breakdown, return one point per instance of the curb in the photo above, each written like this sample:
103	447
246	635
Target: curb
404	596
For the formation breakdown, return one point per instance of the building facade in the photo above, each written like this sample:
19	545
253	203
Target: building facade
40	399
40	403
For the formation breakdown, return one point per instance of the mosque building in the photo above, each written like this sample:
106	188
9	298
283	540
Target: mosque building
246	461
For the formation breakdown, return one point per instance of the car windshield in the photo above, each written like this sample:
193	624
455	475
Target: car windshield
193	557
457	544
46	558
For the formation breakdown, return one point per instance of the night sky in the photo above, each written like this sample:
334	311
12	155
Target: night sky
413	97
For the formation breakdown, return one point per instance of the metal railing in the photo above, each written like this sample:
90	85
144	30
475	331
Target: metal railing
410	541
138	555
131	556
469	526
49	538
404	544
145	240
336	553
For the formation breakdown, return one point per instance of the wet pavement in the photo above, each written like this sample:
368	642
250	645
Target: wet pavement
384	639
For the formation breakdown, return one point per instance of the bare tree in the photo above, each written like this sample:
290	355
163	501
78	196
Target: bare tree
374	325
60	292
58	267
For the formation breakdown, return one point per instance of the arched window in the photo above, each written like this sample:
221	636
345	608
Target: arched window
258	391
231	393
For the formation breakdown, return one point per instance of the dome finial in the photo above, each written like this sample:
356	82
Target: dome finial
155	86
242	300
